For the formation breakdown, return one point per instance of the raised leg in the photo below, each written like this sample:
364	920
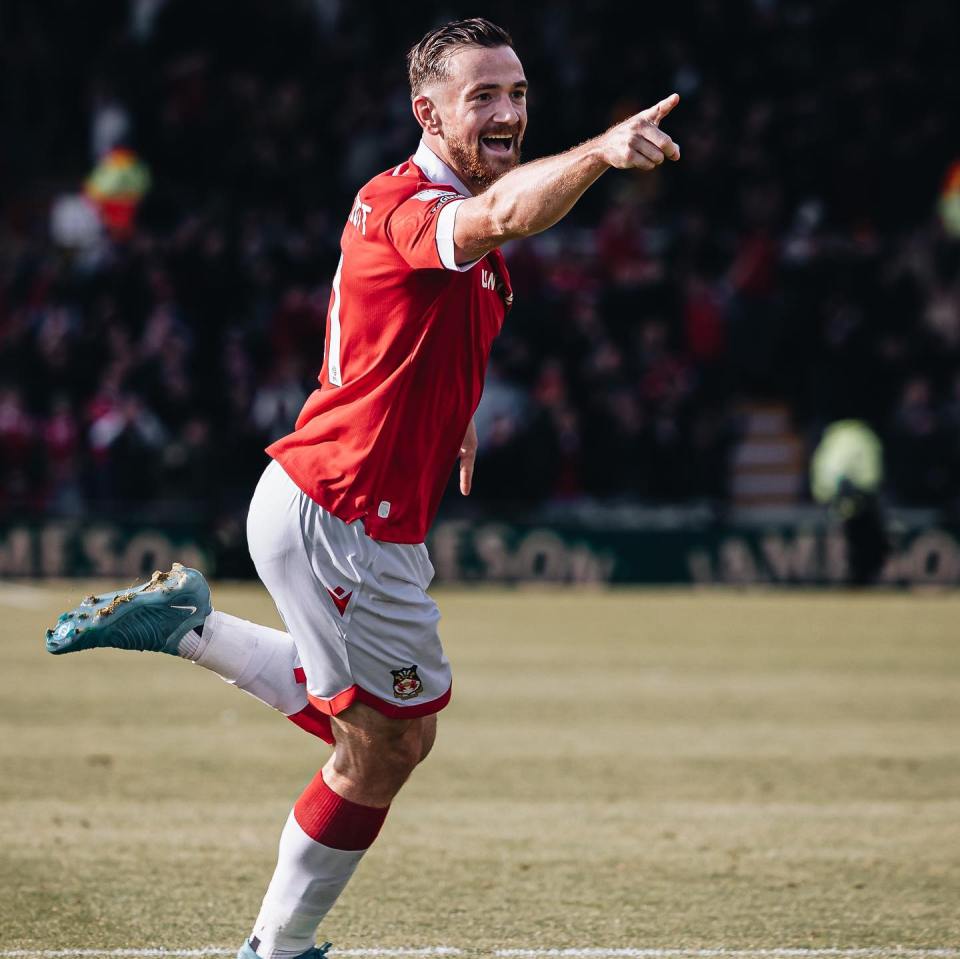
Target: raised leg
172	613
259	660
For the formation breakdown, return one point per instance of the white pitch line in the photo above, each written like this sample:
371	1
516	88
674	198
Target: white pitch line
881	952
209	951
825	953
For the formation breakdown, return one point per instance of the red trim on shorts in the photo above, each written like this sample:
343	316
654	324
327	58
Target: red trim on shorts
299	675
337	704
312	721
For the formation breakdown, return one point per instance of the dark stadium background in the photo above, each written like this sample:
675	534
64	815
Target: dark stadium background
677	346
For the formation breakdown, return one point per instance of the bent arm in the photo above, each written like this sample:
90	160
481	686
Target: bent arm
536	195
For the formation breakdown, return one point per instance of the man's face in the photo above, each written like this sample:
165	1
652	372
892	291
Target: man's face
483	109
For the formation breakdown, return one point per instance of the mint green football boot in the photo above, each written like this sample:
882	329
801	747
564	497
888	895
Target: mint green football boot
151	617
317	952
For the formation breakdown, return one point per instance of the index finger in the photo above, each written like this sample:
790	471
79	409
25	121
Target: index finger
466	474
656	113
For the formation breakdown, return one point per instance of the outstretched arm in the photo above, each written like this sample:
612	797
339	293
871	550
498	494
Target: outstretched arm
536	195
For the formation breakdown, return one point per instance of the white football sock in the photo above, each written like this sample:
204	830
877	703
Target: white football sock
308	879
257	659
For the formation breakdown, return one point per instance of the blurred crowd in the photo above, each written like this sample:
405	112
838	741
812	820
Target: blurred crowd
795	254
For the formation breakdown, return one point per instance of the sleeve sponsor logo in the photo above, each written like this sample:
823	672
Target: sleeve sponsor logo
425	196
440	196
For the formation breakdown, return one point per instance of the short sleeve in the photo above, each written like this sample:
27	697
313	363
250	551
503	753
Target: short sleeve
421	229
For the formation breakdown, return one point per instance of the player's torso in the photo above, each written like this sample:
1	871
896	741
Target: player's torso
385	314
406	352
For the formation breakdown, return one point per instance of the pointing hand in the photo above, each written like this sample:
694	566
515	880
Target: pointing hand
638	142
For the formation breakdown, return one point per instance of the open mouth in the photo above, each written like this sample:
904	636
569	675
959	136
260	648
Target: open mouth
498	142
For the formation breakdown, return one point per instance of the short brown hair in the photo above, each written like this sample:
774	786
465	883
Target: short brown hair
427	59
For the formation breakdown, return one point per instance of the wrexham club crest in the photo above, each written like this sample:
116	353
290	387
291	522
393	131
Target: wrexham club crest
406	682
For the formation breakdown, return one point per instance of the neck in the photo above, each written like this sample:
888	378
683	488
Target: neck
438	147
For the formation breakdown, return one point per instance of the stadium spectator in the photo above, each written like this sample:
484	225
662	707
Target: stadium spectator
794	265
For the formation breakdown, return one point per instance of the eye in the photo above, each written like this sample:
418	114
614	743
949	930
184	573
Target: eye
519	94
482	97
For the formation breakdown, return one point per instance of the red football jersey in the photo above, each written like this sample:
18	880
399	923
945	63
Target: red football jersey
408	338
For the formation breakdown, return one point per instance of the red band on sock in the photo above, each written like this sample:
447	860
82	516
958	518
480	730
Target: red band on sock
334	821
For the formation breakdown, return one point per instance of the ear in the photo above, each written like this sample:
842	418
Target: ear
427	114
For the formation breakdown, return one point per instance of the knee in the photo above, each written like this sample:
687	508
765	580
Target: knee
374	756
401	755
428	736
383	763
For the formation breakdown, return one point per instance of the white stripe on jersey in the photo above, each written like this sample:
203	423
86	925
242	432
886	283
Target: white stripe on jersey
333	360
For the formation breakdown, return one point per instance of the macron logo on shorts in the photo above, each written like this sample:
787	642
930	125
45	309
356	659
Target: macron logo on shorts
340	598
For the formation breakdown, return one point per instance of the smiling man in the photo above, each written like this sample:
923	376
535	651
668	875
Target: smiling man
337	523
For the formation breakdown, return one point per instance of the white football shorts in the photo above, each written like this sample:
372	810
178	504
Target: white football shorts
357	609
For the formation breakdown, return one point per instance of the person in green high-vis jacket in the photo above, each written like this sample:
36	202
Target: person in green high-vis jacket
846	473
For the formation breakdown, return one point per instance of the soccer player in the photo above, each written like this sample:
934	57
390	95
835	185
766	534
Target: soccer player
337	522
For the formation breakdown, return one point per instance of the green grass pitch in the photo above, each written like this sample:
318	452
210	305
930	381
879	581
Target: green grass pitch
679	770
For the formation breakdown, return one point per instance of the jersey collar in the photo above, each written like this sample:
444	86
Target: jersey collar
435	170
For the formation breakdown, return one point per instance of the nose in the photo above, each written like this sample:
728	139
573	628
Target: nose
506	112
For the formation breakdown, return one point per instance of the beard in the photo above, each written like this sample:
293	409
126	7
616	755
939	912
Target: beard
476	169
